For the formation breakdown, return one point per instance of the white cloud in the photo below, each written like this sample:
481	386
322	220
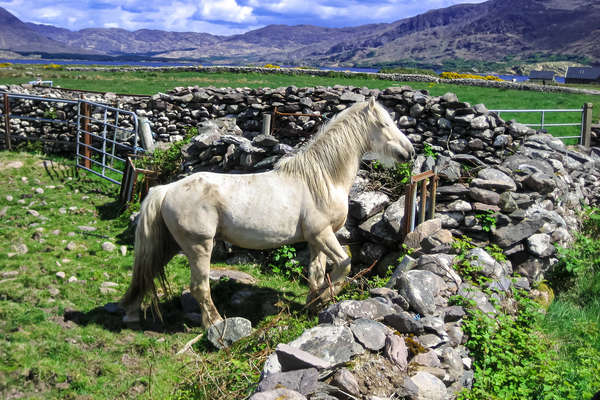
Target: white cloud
224	17
226	10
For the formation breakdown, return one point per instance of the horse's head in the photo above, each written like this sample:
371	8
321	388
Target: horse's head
387	140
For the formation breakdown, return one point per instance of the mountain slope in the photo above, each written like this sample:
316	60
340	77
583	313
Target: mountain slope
17	36
487	31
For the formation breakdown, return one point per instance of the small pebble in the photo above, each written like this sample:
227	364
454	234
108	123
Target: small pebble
61	275
123	250
72	279
39	190
9	197
24	179
62	210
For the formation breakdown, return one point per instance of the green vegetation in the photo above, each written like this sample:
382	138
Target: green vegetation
487	219
528	355
56	338
283	262
411	71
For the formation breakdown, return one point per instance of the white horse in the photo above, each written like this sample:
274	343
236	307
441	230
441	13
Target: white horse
304	198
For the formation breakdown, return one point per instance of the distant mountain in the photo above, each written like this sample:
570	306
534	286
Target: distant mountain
487	31
18	37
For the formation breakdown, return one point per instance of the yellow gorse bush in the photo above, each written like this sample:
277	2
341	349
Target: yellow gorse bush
53	66
5	64
456	75
271	66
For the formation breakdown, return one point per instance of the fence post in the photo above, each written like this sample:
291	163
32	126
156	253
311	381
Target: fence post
87	139
266	124
7	121
586	134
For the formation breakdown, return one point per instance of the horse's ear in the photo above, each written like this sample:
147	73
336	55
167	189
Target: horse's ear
372	102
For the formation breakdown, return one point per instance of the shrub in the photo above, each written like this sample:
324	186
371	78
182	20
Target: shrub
456	75
53	66
271	66
5	65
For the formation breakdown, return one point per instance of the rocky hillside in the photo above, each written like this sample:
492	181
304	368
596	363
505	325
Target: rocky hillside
486	31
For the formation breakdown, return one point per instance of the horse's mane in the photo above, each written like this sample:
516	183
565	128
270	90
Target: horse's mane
321	162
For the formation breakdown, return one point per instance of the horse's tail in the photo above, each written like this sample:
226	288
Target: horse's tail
154	247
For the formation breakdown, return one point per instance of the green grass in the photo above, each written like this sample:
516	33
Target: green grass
551	356
151	82
56	339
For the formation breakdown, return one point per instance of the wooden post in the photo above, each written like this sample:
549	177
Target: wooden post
407	210
7	121
432	195
423	200
586	134
87	139
266	124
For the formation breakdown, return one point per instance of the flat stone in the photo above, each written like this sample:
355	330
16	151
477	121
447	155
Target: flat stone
292	358
484	196
367	204
334	344
428	359
459	205
228	331
217	274
427	228
404	322
396	351
512	234
303	381
452	190
495	175
430	341
278	394
489	267
369	333
108	246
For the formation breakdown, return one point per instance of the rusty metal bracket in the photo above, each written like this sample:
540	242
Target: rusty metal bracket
129	184
276	113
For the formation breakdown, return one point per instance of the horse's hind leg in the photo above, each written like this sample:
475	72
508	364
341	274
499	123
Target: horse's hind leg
199	257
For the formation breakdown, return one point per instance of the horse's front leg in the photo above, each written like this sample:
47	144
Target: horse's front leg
329	245
199	257
316	269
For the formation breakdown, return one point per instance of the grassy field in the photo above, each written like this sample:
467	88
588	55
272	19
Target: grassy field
57	336
151	82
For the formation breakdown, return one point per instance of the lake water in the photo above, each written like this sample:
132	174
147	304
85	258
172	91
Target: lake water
518	78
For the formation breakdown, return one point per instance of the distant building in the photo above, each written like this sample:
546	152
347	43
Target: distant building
542	76
583	75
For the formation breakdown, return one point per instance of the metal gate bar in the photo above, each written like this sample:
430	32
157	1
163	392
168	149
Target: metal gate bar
103	156
410	202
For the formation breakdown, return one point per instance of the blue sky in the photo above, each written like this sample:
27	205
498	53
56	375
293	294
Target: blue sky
221	17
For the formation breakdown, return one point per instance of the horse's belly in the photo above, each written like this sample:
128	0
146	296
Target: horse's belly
260	229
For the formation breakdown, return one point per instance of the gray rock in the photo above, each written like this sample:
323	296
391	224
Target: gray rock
481	301
404	322
428	387
278	394
439	238
369	333
453	313
428	359
334	344
367	204
304	381
485	196
396	351
452	362
455	334
291	358
539	245
420	288
430	341
427	228
512	234
228	331
480	122
108	246
489	267
459	205
499	186
346	381
347	310
217	274
540	182
394	215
